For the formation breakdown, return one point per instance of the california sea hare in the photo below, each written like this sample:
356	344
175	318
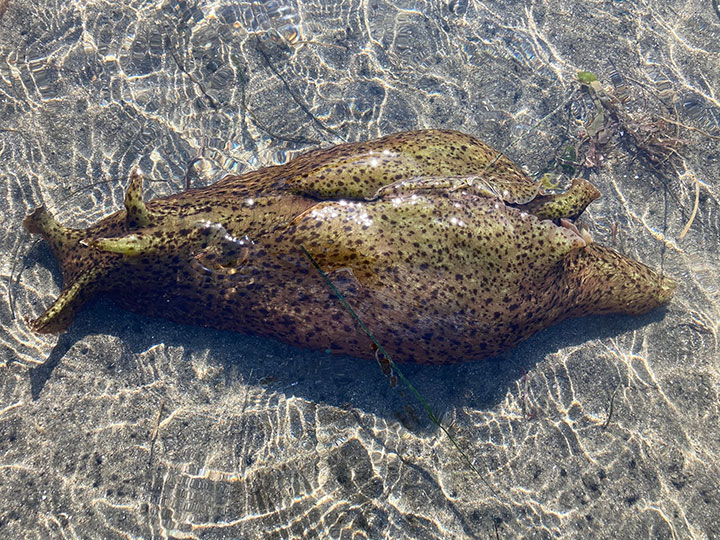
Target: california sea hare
445	250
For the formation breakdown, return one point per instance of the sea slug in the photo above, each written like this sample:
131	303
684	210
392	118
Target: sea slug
445	250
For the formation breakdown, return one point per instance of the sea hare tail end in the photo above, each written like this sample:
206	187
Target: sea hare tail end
604	281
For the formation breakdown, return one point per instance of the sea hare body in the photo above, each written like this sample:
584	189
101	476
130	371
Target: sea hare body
444	250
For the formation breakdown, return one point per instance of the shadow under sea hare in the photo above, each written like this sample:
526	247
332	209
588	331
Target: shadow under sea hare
445	250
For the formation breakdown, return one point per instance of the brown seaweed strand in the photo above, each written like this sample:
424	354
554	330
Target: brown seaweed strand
401	375
296	98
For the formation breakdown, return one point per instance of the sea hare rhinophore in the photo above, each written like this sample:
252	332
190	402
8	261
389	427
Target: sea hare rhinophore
444	250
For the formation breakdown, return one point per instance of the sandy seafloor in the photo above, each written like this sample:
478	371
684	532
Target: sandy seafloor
129	427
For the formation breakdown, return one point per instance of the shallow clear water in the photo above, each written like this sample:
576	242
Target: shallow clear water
133	427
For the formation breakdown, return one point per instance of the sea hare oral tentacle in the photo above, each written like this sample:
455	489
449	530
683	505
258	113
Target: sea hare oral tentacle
41	221
445	250
82	278
61	313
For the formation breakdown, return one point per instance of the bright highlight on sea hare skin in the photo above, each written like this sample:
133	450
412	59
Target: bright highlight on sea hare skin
445	251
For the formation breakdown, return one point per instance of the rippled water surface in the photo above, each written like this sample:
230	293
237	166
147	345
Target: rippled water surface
129	427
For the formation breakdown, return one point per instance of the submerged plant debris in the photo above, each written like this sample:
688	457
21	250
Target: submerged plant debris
650	138
389	367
